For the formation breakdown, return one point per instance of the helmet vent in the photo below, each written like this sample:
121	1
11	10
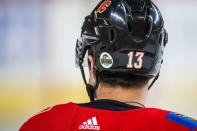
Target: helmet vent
160	38
166	38
107	23
112	35
148	11
147	29
127	9
129	27
103	47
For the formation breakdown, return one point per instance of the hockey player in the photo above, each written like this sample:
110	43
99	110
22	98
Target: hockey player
125	40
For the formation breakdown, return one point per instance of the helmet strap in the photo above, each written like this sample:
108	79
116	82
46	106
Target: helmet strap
89	88
153	81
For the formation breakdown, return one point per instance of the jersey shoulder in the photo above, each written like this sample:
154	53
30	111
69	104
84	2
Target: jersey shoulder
174	120
49	118
184	120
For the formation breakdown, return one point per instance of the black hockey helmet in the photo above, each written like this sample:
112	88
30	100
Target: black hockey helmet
124	36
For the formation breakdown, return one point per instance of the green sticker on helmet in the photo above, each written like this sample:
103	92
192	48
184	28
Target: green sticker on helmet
106	60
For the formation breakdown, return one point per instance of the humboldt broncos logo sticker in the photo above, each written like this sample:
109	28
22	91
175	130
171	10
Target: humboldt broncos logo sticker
106	60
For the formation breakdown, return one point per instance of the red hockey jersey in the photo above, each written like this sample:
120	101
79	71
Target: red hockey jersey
72	117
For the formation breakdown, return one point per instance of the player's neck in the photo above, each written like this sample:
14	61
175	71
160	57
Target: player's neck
122	95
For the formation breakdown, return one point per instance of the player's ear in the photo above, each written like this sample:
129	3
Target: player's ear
90	62
91	65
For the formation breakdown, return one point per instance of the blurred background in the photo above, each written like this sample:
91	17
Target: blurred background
37	67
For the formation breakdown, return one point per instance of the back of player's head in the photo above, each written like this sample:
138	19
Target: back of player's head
124	37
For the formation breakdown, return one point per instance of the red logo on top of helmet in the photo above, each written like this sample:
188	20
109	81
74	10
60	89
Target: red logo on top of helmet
104	6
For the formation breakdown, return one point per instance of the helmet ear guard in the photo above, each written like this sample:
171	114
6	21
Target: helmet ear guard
80	51
165	38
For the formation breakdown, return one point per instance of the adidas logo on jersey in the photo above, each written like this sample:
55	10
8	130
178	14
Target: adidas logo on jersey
90	124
